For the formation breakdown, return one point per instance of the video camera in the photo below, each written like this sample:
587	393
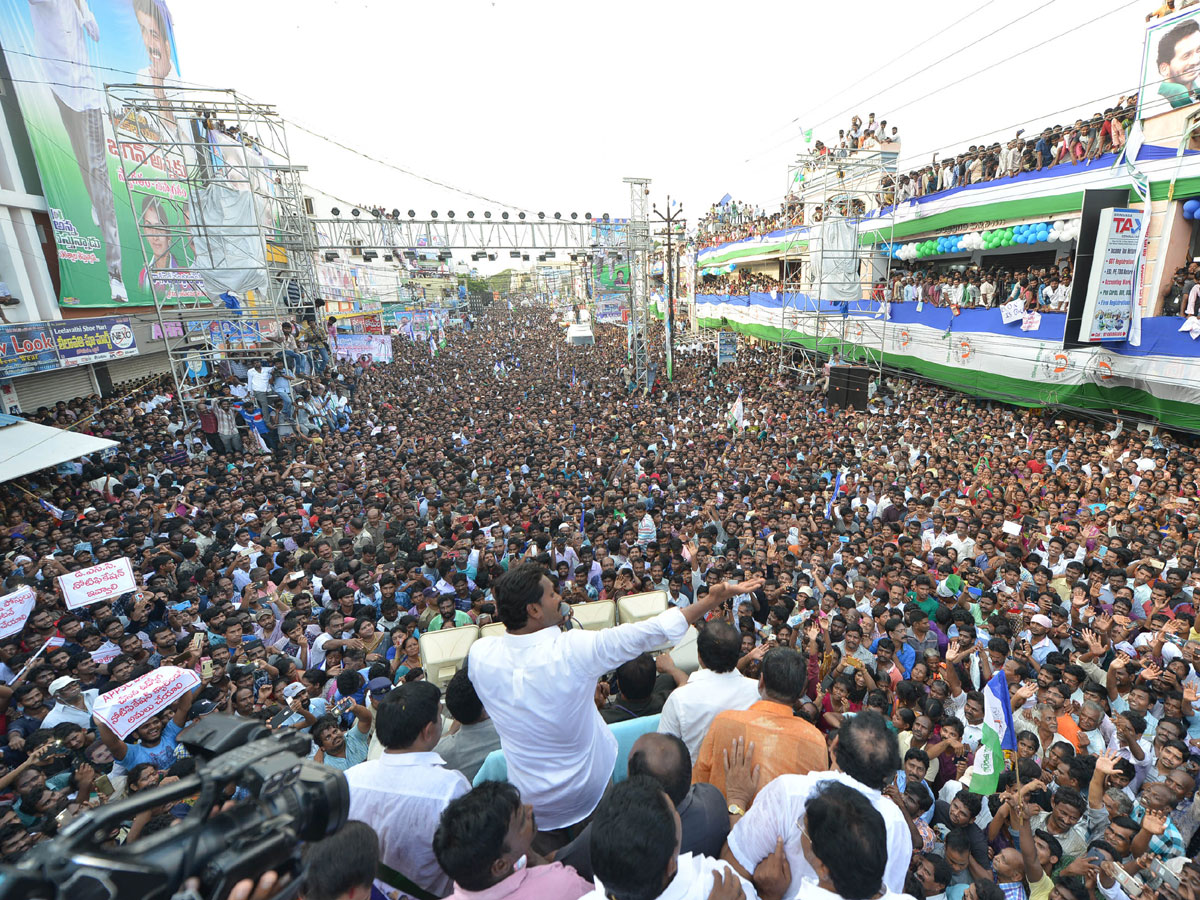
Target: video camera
292	800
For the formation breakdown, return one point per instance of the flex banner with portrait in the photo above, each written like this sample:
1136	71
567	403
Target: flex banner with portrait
1171	64
61	53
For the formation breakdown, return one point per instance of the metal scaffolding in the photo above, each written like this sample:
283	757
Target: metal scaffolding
229	253
640	246
826	188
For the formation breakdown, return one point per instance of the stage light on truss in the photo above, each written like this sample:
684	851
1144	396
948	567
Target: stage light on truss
587	216
549	254
450	214
541	215
330	255
492	257
395	213
558	215
433	214
514	254
542	258
377	213
410	254
488	214
369	255
574	215
605	217
335	212
525	257
521	216
387	257
470	213
354	212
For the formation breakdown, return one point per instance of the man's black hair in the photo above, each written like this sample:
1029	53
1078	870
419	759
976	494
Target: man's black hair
633	839
346	859
1170	40
635	678
849	837
461	700
867	750
473	831
404	712
784	674
719	646
515	590
667	761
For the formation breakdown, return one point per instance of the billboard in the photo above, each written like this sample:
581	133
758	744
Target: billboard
26	348
727	342
1112	283
60	54
609	307
83	341
1171	64
611	275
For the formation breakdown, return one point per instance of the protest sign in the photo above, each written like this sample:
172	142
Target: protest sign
1013	311
128	707
102	582
1013	528
15	609
105	654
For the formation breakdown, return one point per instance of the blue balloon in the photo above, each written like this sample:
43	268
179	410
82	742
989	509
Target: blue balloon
1191	208
1018	238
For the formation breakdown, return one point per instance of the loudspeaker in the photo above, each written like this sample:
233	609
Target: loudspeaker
848	386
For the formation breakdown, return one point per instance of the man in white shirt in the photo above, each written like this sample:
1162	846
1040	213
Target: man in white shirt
635	839
258	382
716	686
71	703
538	684
867	757
402	793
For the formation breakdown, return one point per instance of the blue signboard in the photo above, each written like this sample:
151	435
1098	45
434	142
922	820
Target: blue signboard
83	341
726	347
27	348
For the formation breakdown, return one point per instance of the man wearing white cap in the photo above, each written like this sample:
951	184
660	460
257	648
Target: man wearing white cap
1039	637
71	704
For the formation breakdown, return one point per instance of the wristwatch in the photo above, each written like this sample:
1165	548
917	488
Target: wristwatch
735	810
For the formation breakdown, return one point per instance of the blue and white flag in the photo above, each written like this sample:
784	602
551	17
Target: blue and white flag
999	735
837	486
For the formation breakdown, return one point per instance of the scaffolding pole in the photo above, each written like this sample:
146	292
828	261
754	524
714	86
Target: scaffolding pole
825	188
228	251
640	247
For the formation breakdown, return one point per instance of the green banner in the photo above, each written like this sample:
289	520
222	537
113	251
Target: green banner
611	276
61	53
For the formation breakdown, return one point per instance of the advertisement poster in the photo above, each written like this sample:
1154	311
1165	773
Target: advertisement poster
1108	310
27	348
611	275
355	346
1171	64
726	347
609	306
83	341
61	53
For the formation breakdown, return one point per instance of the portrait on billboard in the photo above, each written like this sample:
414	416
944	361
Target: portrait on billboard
1171	64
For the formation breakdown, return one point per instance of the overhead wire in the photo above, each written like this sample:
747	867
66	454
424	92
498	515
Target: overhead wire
1008	58
287	120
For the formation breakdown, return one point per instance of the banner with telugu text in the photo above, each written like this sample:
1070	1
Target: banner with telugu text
61	53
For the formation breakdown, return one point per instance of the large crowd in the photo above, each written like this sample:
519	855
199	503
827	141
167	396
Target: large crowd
861	581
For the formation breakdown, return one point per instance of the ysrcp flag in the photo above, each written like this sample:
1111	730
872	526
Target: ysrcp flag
998	735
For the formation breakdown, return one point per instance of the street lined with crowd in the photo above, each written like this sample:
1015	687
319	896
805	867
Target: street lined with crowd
859	581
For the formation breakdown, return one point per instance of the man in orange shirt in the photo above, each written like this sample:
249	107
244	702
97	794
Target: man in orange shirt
783	742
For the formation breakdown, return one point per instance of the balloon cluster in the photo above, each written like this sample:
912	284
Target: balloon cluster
1191	209
719	270
1032	233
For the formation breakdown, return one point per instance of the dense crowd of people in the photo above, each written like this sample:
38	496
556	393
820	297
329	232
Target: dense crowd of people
1038	288
744	282
860	582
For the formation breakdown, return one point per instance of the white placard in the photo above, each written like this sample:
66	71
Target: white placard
15	609
127	708
1012	311
1013	528
96	583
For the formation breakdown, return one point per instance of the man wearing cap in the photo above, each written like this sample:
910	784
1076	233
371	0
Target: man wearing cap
1039	637
71	703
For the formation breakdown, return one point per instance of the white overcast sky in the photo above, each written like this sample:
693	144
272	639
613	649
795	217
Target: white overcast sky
548	105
